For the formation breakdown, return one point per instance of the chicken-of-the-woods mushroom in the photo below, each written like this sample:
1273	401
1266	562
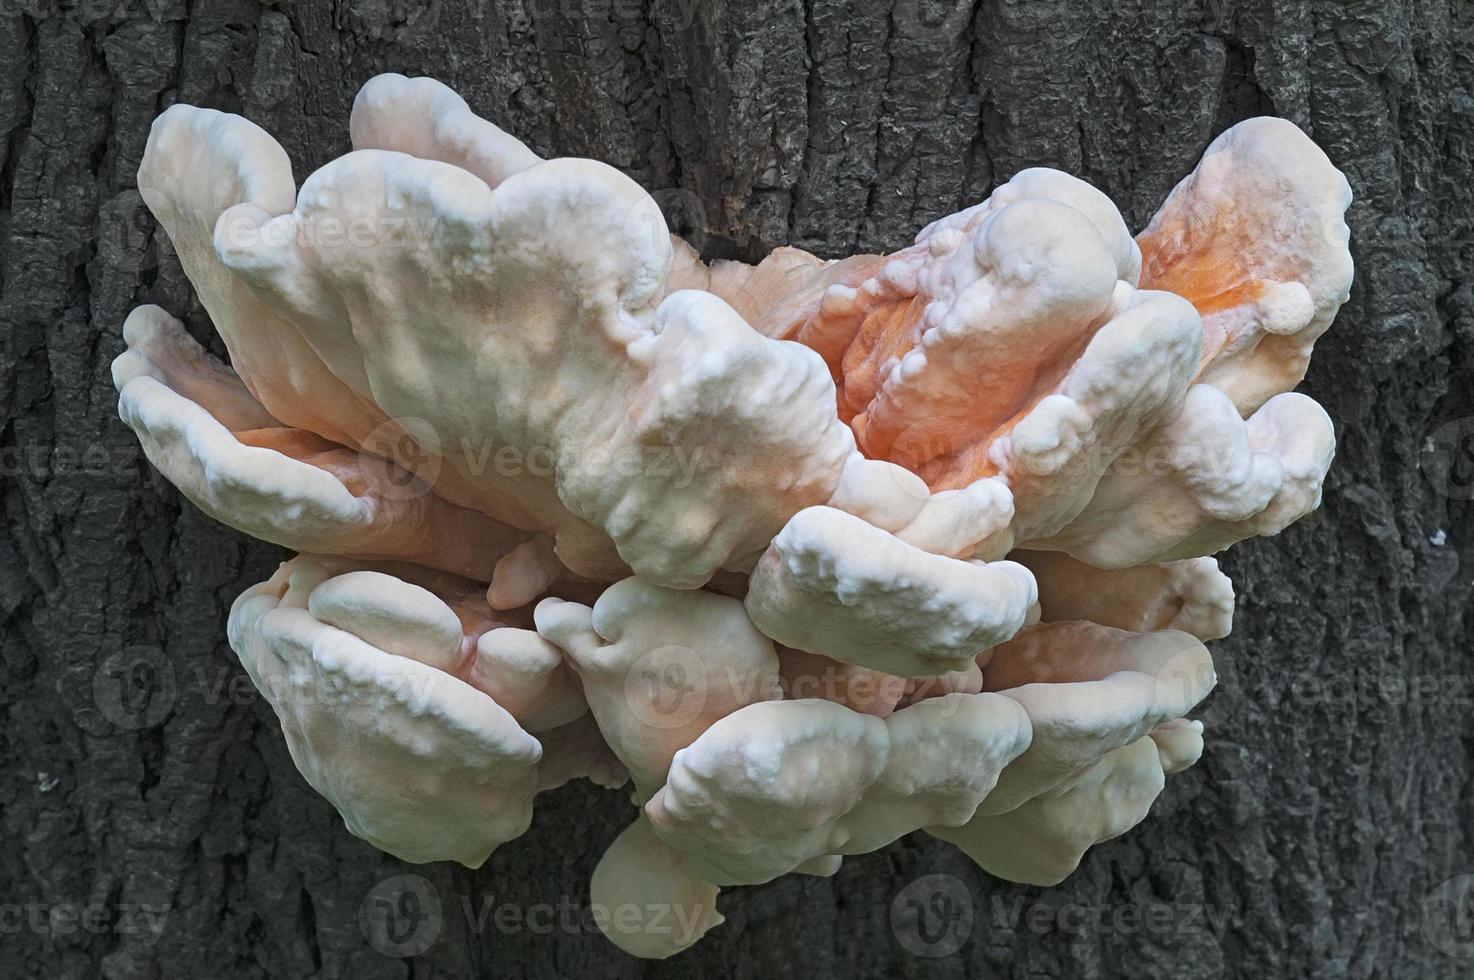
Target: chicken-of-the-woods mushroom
808	554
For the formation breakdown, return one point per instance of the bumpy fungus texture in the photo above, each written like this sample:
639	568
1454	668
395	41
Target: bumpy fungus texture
812	554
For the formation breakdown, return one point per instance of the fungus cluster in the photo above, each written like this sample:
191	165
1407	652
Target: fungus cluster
807	555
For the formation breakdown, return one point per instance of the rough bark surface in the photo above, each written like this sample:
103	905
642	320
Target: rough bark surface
153	823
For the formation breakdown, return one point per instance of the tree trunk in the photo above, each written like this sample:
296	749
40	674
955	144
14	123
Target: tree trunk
154	823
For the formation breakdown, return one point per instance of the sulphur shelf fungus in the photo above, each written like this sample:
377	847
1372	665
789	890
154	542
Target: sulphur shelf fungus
808	554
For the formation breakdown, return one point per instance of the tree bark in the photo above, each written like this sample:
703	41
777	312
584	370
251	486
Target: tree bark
154	824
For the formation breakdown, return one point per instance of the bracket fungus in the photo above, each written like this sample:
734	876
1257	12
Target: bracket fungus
808	554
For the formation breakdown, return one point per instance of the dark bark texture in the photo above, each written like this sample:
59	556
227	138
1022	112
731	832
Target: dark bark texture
153	823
